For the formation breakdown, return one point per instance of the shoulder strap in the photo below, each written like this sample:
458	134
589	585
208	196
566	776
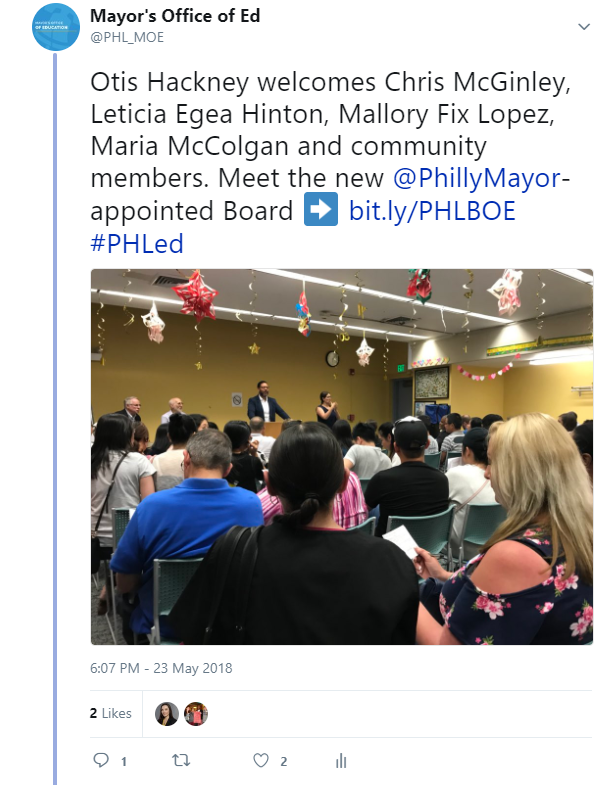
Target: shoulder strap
227	547
476	493
244	582
111	486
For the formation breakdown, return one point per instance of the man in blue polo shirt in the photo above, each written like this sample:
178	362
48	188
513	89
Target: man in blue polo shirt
182	522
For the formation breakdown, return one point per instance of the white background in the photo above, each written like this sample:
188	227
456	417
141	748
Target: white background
564	227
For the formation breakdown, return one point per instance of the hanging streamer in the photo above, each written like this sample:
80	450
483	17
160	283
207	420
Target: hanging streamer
540	301
386	355
126	310
253	318
154	323
101	335
443	318
364	351
468	295
420	286
506	291
492	376
343	335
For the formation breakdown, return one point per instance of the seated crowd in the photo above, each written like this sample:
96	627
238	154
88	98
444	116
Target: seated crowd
309	575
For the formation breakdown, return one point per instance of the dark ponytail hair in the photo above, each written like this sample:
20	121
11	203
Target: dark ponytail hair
306	471
386	430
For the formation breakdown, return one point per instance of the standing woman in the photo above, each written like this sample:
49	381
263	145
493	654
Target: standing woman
532	583
327	411
119	478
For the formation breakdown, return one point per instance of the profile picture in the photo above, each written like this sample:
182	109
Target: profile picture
166	714
195	713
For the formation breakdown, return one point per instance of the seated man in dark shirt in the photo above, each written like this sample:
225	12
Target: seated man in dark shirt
412	489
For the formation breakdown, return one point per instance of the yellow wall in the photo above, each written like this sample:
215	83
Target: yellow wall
529	388
293	365
546	388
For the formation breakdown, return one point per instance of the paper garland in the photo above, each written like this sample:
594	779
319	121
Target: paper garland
506	291
427	363
491	376
304	315
420	286
155	324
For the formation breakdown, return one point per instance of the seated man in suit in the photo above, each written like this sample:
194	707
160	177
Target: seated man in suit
262	405
131	408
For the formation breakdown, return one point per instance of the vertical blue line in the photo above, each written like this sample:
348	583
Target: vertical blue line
54	419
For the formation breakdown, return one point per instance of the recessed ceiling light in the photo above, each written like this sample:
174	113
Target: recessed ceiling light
577	275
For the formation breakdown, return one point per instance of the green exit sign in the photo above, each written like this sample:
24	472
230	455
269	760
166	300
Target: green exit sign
401	369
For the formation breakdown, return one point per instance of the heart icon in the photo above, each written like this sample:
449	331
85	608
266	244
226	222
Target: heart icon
261	759
492	376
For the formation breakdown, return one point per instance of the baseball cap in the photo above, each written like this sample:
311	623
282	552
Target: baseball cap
475	437
410	434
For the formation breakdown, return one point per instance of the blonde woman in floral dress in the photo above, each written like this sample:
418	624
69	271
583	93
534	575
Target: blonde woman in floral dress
533	581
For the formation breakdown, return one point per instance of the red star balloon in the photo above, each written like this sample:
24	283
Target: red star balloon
198	298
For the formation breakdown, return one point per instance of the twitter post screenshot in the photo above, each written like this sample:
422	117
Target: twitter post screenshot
341	507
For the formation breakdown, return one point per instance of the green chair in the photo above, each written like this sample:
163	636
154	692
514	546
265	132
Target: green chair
480	522
452	454
364	483
429	531
433	459
170	578
367	527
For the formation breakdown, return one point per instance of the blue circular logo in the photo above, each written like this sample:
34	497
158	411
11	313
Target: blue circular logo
56	27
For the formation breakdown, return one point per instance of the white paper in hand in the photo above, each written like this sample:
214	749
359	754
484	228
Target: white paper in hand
403	539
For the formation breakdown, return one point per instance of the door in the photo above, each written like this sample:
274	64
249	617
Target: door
402	398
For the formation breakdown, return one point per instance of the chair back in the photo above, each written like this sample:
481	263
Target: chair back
481	521
120	519
433	459
170	578
429	531
368	526
364	483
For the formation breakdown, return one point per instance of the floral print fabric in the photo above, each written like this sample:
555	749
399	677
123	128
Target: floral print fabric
558	610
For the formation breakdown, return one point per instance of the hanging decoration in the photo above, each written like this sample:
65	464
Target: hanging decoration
198	298
304	314
420	286
429	363
131	318
540	301
468	295
254	349
361	310
492	376
155	324
386	355
506	291
253	318
364	351
343	335
101	335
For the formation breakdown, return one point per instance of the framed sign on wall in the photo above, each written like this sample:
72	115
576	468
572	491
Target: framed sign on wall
432	383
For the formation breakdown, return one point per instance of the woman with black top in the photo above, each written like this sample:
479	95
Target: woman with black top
247	467
313	582
166	716
327	411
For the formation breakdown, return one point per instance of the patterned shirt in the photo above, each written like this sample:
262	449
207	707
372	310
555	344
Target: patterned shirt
453	442
349	507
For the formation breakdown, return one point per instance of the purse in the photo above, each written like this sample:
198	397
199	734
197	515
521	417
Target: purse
247	563
96	548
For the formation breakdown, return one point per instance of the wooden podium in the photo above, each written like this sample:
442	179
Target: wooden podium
273	428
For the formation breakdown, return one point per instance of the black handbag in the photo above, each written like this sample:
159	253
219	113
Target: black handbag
247	563
96	548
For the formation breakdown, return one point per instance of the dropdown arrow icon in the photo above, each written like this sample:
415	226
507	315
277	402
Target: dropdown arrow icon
585	27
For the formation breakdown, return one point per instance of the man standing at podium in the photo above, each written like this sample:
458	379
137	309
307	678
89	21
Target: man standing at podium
262	405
